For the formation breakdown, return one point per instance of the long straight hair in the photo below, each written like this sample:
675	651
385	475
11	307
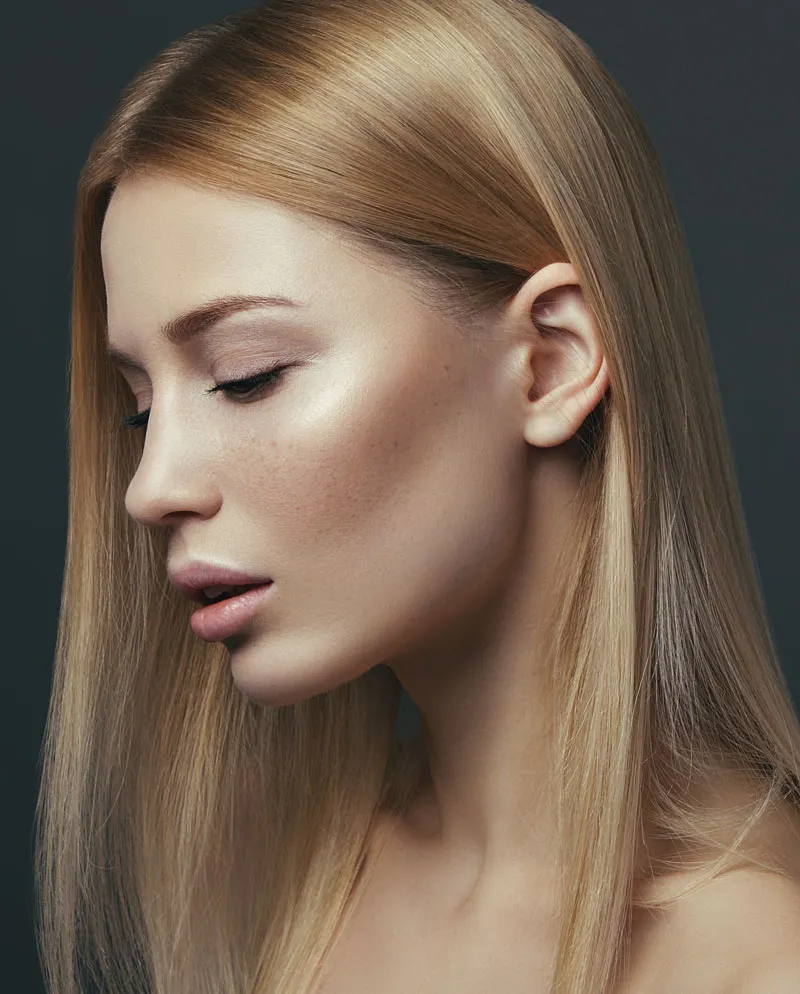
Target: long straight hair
190	841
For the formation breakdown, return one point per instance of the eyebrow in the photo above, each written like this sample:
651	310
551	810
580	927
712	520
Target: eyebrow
191	324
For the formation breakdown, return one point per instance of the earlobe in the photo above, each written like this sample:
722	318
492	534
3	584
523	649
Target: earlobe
556	417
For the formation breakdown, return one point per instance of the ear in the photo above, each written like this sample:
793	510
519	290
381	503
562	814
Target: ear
565	372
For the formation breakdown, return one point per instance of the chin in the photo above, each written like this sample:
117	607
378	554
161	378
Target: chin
265	684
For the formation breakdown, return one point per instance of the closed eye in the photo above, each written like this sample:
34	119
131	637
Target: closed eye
247	386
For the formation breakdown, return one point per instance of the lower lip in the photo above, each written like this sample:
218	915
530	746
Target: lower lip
216	622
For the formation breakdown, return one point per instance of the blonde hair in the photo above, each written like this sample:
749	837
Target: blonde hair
189	840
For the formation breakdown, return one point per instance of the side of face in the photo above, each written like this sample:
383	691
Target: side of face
379	482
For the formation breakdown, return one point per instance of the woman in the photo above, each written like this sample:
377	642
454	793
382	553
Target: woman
398	295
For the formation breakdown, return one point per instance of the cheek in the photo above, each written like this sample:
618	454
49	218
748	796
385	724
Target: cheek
393	505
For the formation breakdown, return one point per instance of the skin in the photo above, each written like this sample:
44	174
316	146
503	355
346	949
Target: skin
408	494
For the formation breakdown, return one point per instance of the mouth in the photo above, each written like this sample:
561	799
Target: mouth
219	594
215	622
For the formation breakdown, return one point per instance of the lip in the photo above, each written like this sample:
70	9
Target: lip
191	579
220	620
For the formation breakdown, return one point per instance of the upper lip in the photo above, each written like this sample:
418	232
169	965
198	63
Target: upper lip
192	578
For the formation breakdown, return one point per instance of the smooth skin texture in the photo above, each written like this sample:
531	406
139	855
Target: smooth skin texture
407	492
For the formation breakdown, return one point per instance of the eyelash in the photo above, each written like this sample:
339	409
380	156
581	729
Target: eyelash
252	383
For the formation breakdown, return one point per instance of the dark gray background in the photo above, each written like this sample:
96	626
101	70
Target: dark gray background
716	84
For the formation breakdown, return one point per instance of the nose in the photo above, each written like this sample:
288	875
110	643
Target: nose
170	483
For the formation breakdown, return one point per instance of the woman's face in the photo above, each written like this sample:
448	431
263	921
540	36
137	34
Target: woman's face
380	481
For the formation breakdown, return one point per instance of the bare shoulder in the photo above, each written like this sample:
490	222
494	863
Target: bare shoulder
772	958
738	934
779	976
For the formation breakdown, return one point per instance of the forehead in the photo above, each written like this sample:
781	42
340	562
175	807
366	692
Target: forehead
168	246
161	228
